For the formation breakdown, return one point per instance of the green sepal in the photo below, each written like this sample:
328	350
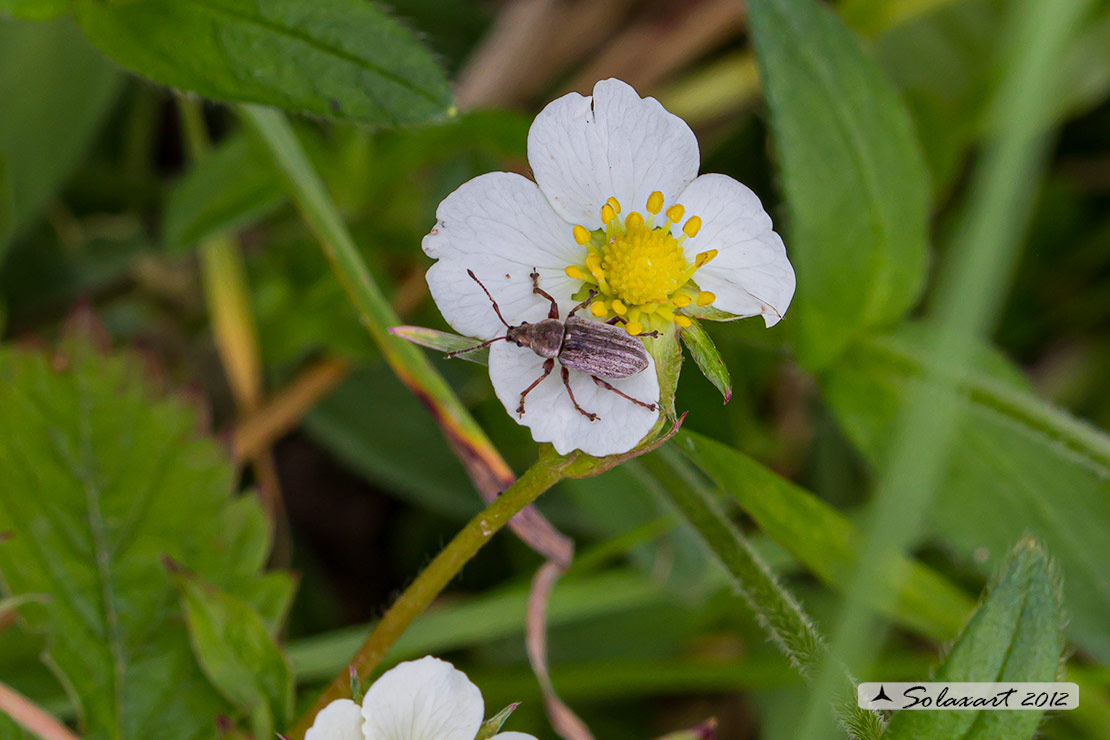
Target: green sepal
667	353
443	341
707	358
492	726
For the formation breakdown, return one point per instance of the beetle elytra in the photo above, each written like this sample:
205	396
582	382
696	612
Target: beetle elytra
601	350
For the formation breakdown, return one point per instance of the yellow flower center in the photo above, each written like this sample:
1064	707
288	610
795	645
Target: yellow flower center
637	269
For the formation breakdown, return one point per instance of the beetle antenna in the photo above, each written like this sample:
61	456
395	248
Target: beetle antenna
486	343
495	307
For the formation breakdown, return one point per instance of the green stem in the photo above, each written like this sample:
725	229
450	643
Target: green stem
484	464
546	472
783	618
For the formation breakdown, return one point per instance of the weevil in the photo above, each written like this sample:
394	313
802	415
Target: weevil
603	351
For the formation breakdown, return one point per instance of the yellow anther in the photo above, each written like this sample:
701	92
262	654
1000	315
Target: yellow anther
633	221
691	227
655	202
616	204
705	257
575	272
682	321
705	298
598	309
619	308
674	213
581	234
634	327
680	301
607	214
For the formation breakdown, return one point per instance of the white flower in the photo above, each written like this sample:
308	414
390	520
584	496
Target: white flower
617	214
426	699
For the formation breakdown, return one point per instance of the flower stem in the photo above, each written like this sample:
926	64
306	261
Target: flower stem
546	472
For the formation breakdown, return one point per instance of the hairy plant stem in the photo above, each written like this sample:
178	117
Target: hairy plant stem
546	472
775	608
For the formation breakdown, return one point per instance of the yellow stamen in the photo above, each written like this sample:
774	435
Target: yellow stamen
704	258
637	268
691	227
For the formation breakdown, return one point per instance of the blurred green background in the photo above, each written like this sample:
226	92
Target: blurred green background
103	205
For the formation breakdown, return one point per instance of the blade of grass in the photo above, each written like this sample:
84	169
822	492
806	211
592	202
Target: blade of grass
235	333
483	462
970	289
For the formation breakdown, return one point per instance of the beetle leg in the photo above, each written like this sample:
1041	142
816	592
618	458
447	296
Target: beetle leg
616	320
584	412
583	304
622	394
553	312
547	368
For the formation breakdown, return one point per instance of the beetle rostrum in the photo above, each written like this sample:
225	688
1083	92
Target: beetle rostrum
603	351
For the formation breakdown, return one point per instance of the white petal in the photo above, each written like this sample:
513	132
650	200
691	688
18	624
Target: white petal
340	720
500	226
550	414
585	149
426	699
513	736
751	274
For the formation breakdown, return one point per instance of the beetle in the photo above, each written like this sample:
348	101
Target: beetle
603	351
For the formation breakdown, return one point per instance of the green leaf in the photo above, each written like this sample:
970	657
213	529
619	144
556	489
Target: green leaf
100	478
230	187
493	725
823	539
706	357
343	59
853	175
34	10
1018	466
1014	635
56	92
237	653
443	341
